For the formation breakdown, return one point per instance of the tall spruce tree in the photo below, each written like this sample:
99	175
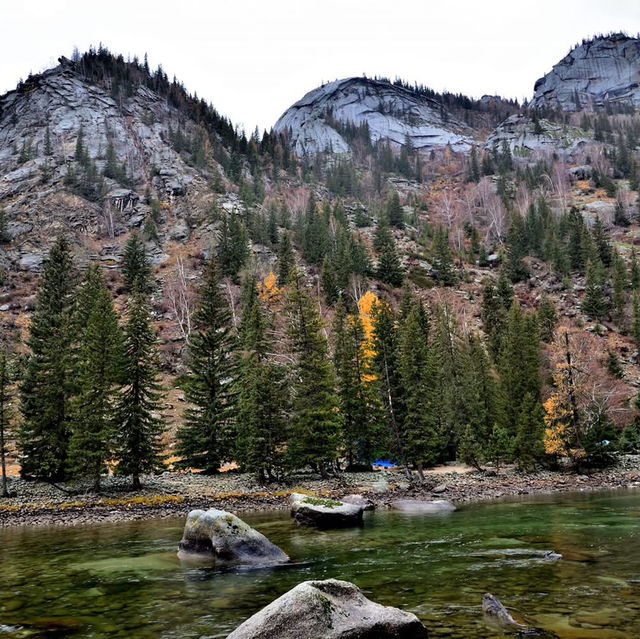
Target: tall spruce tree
263	400
359	406
207	436
595	303
442	261
315	422
136	268
98	371
138	427
389	269
386	366
529	446
233	246
286	259
418	375
49	380
395	214
6	415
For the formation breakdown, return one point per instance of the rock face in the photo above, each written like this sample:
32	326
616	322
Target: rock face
599	71
317	122
518	131
359	500
437	506
329	609
325	513
225	539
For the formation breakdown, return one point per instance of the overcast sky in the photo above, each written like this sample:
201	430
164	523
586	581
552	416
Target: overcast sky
254	58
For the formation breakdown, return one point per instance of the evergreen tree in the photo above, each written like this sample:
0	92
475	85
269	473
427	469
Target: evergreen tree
442	261
49	381
389	269
494	317
263	401
6	416
519	364
636	319
329	283
634	271
480	399
516	249
138	427
547	318
315	422
418	376
528	446
395	214
136	268
233	246
207	436
358	404
619	298
286	259
601	243
98	371
385	364
5	238
594	303
474	169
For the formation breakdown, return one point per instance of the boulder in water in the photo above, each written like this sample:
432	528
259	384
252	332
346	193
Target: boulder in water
329	609
359	500
325	513
493	609
221	537
435	507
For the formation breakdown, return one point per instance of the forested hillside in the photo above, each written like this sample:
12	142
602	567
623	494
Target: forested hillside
175	294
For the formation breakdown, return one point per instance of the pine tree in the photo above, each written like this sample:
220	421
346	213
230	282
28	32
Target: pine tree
529	446
329	283
389	269
98	371
6	416
418	376
481	406
594	303
635	330
138	427
136	268
233	246
263	401
547	318
49	381
356	388
516	249
619	297
519	365
286	259
207	437
601	242
315	422
385	365
5	238
395	214
442	261
494	317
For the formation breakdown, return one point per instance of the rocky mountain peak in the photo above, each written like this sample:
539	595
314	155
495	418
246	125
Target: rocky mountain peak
326	118
603	70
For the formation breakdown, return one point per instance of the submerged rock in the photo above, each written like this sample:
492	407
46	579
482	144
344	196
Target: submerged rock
329	609
324	513
437	506
225	539
493	609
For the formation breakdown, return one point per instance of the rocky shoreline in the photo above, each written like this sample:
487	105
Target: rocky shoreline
173	494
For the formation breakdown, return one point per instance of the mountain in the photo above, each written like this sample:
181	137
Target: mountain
329	117
603	70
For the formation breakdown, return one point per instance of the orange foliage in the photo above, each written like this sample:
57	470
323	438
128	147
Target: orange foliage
269	291
366	305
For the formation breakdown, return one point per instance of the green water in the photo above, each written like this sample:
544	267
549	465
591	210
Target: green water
124	580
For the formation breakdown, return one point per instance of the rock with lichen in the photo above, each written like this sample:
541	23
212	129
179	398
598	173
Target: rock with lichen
329	609
221	537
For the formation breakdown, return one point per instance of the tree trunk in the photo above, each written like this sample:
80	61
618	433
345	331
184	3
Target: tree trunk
137	485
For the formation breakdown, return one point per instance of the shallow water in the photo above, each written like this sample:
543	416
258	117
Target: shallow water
124	580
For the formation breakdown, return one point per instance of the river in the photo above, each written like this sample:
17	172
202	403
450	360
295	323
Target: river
124	580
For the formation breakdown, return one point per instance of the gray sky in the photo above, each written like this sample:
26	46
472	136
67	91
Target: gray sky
254	58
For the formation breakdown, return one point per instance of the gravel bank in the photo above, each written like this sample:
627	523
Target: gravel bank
173	494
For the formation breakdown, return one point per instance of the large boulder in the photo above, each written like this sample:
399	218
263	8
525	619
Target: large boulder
222	538
325	513
329	609
435	507
359	500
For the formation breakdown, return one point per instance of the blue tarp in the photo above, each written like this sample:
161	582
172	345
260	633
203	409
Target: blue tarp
385	463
